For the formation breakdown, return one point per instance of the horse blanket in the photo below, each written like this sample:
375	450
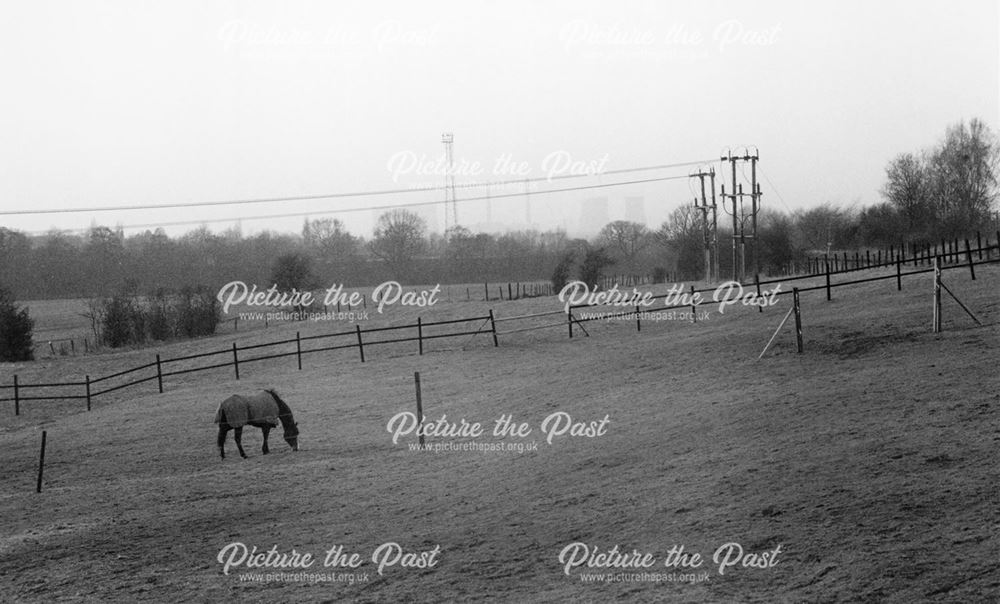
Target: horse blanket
241	410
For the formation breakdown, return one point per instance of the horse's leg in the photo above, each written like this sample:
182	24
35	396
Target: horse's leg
222	441
266	428
237	436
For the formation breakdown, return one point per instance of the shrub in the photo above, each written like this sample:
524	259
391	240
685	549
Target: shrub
16	328
560	275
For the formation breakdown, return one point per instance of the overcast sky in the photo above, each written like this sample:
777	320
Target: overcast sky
134	103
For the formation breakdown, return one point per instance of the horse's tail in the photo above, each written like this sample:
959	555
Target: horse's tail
220	415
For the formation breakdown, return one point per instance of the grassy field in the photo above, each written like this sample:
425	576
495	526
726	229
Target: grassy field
870	461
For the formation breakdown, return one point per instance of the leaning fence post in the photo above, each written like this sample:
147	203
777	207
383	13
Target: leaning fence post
420	409
493	327
361	345
798	318
236	361
298	348
159	373
87	384
41	464
420	336
937	294
17	398
968	255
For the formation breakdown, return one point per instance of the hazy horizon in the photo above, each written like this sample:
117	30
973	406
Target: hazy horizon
117	105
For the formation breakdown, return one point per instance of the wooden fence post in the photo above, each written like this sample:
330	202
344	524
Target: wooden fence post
979	244
361	345
159	373
638	326
87	384
937	294
298	348
756	280
486	289
569	321
798	319
420	409
420	336
694	309
968	256
17	398
41	464
828	298
236	361
493	327
899	275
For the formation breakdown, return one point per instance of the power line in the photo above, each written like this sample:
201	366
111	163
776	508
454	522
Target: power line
775	189
373	193
394	206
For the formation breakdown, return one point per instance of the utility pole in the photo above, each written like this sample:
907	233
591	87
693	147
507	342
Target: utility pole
740	215
715	230
736	229
450	203
755	205
709	229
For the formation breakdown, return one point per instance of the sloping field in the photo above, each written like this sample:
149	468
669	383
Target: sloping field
869	463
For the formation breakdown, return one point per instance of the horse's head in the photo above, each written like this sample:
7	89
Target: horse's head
292	436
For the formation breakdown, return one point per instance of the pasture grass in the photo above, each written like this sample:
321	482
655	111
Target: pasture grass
871	459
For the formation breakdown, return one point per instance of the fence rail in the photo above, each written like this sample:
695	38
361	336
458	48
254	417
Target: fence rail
160	365
358	341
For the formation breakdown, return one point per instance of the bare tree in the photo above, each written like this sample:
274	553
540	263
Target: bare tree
907	188
625	240
825	228
398	237
964	176
330	238
950	189
682	236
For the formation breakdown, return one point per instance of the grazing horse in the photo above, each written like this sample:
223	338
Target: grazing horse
263	410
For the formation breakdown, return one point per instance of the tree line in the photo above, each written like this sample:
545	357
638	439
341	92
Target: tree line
944	191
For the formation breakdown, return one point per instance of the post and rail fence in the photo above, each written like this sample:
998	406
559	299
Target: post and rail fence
91	388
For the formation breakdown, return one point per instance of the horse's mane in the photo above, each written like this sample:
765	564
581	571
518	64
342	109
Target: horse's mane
283	408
